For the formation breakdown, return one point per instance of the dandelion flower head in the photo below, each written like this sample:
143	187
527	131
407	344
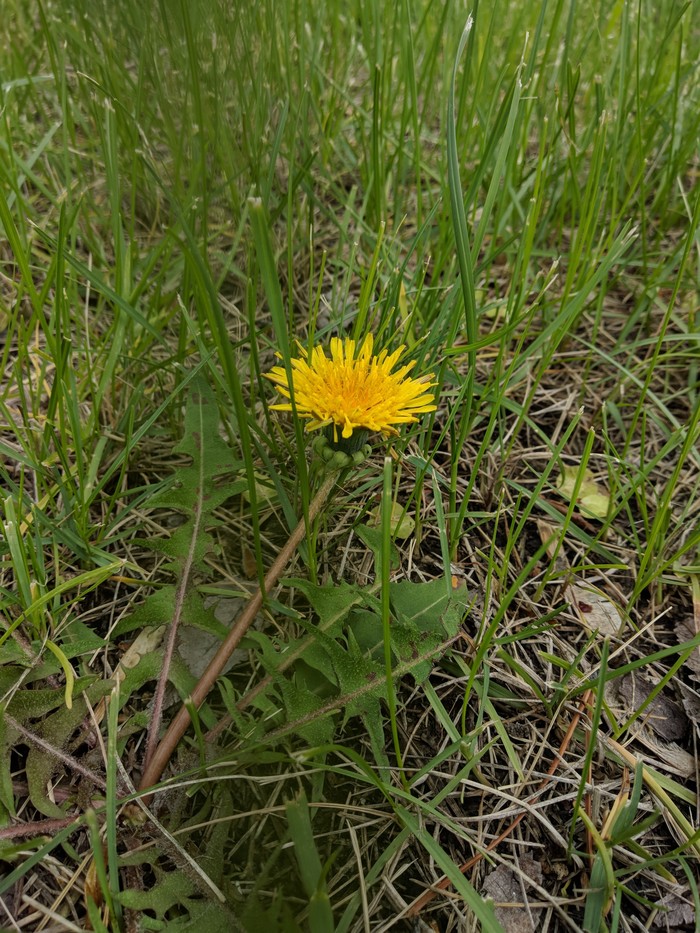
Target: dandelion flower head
353	391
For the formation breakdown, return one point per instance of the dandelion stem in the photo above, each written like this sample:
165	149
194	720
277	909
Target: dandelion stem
178	726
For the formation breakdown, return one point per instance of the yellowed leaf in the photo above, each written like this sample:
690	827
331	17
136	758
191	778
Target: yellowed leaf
594	505
265	491
92	887
592	499
402	523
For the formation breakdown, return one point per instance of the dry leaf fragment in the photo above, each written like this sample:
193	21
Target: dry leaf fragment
657	728
691	702
676	911
667	756
248	562
508	891
197	646
663	715
594	608
550	536
596	611
686	630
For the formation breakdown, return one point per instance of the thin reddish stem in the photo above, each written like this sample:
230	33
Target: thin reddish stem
167	745
427	896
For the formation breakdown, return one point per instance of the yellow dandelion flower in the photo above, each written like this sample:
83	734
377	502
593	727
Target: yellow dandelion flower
353	391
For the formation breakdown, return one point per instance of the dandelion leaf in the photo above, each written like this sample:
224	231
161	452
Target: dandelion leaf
173	902
148	669
337	668
7	795
429	607
426	619
79	639
372	538
200	484
331	603
56	728
303	711
28	705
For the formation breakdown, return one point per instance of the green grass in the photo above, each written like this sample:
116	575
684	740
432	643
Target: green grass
188	188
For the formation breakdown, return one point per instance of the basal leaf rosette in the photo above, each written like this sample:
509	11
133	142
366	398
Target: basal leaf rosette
353	392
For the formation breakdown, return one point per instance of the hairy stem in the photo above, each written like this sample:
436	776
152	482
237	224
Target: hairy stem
161	755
